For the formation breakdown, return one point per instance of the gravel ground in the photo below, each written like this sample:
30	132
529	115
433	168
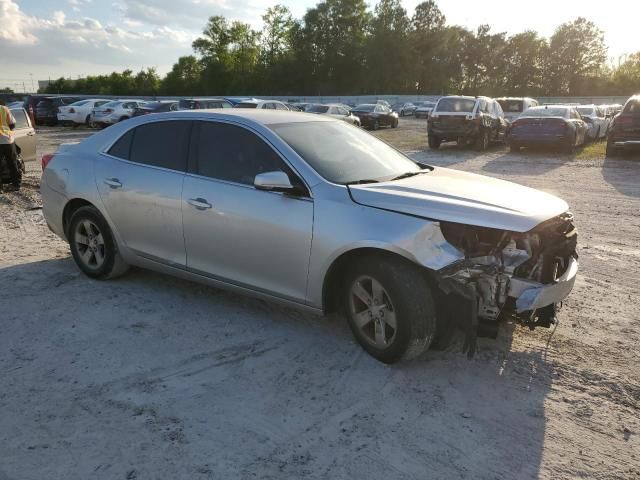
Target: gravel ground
152	377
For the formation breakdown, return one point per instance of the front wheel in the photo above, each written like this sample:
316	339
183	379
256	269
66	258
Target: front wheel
376	125
92	245
434	142
611	149
389	308
394	124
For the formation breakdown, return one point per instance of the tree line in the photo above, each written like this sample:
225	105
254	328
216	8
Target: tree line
340	47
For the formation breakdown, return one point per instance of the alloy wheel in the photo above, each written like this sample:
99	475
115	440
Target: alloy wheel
90	244
372	312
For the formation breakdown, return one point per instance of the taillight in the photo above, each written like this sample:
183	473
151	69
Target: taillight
622	120
46	158
72	110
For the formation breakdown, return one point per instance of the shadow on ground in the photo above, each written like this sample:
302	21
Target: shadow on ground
165	378
623	173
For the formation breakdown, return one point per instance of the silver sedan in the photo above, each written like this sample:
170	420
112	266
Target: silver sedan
313	212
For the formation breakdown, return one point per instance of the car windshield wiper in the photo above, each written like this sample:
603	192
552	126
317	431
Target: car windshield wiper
362	181
409	174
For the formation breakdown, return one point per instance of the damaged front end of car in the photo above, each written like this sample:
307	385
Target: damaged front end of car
505	274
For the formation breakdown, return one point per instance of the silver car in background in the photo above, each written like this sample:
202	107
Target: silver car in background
114	112
313	212
340	112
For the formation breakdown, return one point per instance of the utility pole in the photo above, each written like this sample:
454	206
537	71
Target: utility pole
33	90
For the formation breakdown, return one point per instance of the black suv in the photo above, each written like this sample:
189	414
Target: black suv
466	120
47	109
624	133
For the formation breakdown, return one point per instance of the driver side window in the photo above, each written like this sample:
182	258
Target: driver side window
234	154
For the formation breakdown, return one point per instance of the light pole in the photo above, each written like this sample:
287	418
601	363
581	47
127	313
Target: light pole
32	87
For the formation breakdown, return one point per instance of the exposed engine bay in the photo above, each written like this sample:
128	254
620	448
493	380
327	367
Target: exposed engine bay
507	274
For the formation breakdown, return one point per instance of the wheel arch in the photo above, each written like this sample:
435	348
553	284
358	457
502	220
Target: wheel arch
70	208
332	279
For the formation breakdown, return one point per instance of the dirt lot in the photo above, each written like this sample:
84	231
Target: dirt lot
151	377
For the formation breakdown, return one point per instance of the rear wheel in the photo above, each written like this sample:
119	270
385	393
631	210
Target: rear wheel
434	142
482	142
389	308
93	246
394	123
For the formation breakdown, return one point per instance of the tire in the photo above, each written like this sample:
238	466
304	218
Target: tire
482	142
394	124
123	118
611	149
376	125
571	148
99	257
434	142
404	289
514	148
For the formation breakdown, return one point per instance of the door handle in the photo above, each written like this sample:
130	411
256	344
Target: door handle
113	182
199	203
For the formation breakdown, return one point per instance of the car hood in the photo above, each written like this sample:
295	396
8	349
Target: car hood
454	196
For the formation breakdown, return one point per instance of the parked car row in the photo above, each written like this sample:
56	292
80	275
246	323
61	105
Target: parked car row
624	131
523	122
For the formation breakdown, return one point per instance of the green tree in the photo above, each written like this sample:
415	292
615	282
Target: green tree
185	77
626	78
428	40
525	58
577	56
388	54
333	42
277	36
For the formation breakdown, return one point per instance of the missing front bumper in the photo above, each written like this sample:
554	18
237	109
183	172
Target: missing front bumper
532	296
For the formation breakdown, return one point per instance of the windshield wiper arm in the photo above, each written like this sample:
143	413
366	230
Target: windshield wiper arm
361	181
409	174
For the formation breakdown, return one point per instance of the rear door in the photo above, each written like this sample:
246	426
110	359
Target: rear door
235	233
140	182
25	134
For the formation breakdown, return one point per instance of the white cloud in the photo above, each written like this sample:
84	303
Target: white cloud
193	14
48	47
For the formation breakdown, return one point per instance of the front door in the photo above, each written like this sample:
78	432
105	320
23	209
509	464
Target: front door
140	182
236	233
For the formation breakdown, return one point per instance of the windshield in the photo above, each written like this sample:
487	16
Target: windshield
318	109
585	110
79	103
342	153
511	106
456	105
545	112
364	108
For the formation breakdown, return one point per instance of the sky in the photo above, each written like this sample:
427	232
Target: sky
42	39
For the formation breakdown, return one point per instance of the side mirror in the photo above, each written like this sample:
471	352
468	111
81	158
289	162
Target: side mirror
276	181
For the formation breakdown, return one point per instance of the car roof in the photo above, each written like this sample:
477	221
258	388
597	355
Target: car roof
247	116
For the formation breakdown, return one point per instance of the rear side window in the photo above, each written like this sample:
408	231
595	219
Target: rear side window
122	147
21	119
456	105
161	144
232	153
